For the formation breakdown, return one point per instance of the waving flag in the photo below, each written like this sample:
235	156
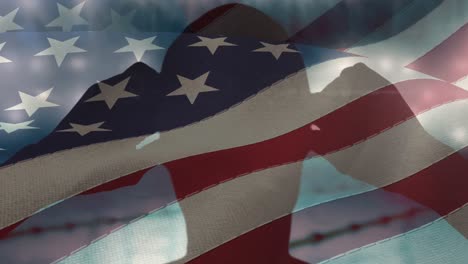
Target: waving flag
324	131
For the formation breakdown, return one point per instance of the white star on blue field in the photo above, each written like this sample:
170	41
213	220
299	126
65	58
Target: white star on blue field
27	80
69	45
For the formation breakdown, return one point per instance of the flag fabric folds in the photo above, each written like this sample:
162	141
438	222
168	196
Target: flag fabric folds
288	132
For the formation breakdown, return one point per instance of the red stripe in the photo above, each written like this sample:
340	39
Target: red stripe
266	244
449	60
5	231
441	187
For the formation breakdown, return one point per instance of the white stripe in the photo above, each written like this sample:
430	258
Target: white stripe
261	197
463	83
448	123
434	243
459	220
380	157
421	37
320	77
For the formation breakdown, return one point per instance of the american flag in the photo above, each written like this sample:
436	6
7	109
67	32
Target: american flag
326	131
